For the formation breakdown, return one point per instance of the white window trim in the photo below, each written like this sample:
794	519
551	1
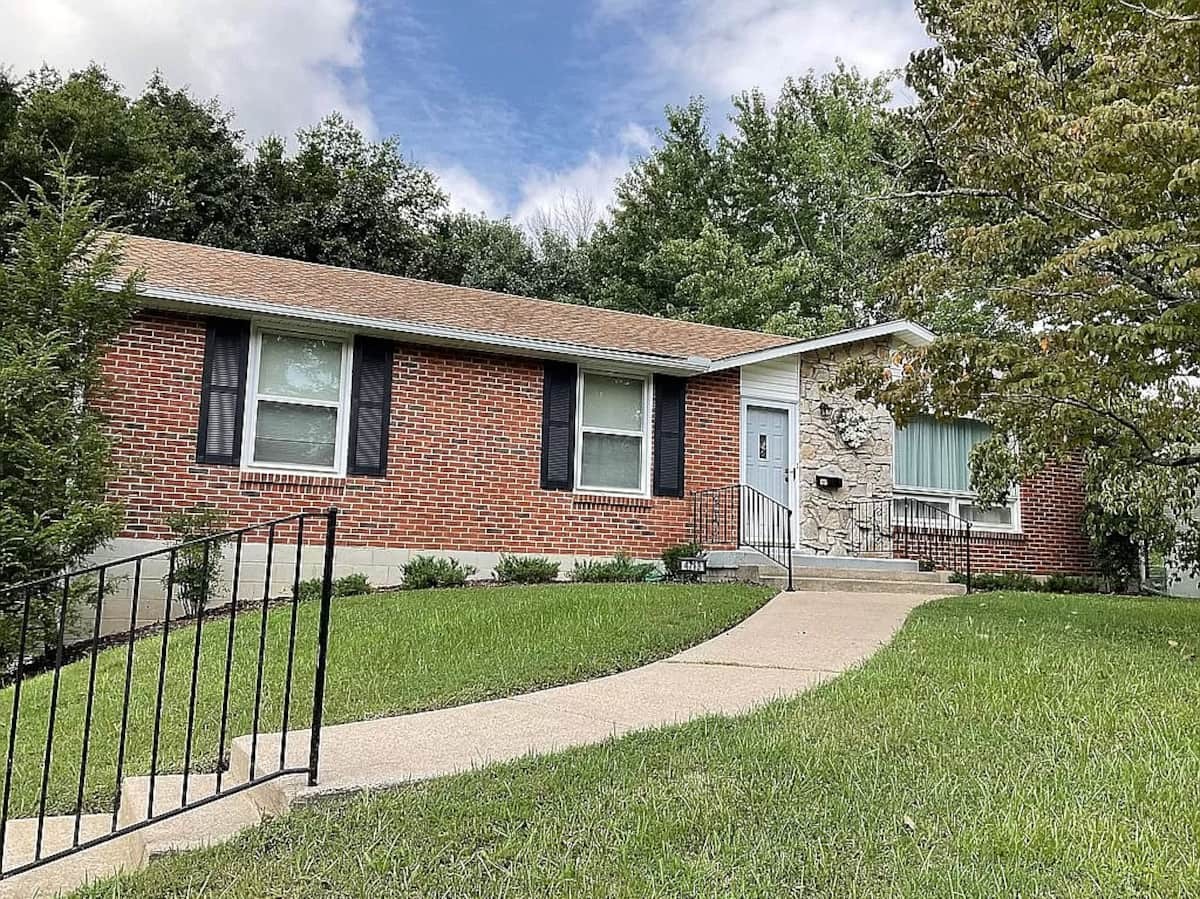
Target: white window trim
643	489
956	498
342	433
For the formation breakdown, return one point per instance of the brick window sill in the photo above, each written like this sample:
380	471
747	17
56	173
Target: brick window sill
602	501
276	482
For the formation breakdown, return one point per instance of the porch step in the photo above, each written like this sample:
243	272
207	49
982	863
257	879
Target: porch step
844	584
192	829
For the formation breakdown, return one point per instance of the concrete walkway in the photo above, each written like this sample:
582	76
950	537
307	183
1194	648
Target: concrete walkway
794	642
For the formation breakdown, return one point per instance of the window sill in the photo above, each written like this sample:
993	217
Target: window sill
610	501
288	482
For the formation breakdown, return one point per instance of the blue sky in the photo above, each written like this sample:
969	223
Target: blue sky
514	104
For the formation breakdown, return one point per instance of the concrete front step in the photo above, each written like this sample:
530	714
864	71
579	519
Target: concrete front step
862	574
193	828
864	585
124	853
202	826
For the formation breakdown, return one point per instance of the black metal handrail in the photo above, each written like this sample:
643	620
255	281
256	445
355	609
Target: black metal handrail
901	527
99	581
740	516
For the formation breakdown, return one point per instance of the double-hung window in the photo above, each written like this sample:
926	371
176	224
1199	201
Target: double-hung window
931	465
297	403
612	445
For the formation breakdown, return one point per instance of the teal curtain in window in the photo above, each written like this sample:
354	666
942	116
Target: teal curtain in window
932	454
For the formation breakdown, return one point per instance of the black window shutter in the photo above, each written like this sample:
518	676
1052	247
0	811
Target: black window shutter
670	396
370	406
223	392
558	426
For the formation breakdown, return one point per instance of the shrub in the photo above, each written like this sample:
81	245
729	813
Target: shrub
672	554
197	569
1018	580
1003	580
431	571
350	585
1069	583
611	571
526	570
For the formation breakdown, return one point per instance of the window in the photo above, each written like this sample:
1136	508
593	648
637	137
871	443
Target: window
931	464
297	401
612	443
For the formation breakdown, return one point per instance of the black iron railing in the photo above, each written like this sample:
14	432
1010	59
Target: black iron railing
905	528
739	516
242	564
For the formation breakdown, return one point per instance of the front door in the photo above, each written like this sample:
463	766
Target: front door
768	456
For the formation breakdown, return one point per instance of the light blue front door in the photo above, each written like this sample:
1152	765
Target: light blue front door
768	457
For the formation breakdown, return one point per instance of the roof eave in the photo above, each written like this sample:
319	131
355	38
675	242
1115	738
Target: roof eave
910	332
433	335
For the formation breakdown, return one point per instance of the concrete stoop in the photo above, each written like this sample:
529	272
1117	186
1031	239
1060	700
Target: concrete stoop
833	574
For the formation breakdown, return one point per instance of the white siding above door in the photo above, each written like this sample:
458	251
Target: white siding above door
777	380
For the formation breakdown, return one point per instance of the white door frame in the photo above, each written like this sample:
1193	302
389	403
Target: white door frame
793	479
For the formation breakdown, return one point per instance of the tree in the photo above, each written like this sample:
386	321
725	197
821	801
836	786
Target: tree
1065	145
163	165
55	321
339	200
766	226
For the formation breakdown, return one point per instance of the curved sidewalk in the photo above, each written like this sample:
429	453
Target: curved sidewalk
794	642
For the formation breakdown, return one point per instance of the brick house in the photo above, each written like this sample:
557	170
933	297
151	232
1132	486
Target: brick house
451	420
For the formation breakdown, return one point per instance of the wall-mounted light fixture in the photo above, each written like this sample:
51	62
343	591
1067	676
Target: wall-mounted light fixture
824	410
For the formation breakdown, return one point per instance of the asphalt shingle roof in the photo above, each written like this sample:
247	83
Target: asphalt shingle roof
232	275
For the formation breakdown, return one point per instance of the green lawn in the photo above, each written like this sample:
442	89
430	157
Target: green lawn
389	653
1003	745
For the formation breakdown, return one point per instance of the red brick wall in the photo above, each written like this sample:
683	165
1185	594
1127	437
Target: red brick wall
463	456
1051	540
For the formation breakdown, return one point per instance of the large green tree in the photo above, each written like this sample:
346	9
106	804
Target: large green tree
164	164
55	322
1062	145
338	199
766	225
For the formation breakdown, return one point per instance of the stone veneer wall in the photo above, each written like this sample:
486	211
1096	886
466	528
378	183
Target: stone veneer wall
866	471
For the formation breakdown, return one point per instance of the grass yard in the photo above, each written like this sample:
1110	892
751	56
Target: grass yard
1003	745
389	653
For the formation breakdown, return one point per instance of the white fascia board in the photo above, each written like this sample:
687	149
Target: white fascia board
909	332
435	335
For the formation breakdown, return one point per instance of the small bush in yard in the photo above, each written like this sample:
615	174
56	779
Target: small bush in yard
1018	580
431	571
611	571
526	570
672	554
350	585
197	572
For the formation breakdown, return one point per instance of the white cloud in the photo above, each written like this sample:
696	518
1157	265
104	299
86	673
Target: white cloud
467	193
723	48
718	49
591	181
279	64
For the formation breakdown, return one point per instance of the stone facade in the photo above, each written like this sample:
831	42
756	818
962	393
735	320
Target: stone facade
827	416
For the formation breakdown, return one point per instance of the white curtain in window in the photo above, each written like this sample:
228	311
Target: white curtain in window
933	455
